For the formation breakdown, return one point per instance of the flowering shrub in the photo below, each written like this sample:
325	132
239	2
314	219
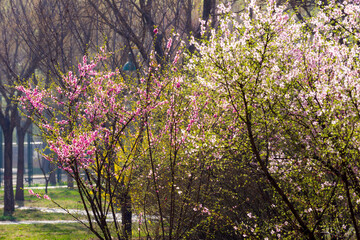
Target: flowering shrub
127	140
89	120
288	92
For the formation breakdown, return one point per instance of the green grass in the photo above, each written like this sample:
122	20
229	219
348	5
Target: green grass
32	214
45	231
67	198
51	231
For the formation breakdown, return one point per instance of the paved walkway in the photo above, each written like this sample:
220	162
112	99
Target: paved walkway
36	178
49	187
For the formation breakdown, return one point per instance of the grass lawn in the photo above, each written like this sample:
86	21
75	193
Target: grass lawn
50	231
67	198
32	214
45	231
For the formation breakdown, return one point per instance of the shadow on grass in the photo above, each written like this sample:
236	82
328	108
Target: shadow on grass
7	218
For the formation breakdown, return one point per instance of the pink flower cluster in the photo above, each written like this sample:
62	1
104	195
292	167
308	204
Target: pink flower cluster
79	148
32	96
31	192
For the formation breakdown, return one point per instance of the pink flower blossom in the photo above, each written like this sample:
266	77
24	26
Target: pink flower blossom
168	45
31	192
47	197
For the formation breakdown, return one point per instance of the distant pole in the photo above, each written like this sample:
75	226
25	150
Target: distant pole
30	155
126	211
1	154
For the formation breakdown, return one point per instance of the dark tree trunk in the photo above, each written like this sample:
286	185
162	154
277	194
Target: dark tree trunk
43	170
126	215
208	9
49	167
9	203
21	132
52	175
70	181
19	195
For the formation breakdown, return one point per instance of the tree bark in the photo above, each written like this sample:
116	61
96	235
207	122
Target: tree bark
19	195
70	181
208	9
9	203
126	215
52	174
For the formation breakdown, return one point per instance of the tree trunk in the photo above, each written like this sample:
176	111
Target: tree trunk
49	167
126	215
208	9
9	203
70	181
19	195
1	154
52	175
58	176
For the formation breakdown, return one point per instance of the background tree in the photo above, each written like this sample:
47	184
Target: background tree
17	65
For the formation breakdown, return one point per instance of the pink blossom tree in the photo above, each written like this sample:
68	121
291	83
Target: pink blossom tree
89	121
112	137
